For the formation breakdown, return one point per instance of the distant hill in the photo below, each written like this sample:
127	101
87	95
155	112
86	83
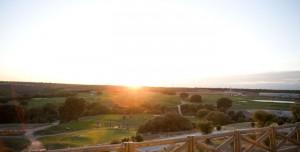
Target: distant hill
274	80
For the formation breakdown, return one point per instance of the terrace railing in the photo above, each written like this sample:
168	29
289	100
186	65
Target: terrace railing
272	139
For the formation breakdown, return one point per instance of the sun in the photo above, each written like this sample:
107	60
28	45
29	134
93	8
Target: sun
134	87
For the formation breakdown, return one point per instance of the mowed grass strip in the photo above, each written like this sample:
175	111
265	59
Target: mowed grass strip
85	137
40	102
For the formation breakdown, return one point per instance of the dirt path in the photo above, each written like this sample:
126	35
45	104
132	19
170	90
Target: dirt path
36	145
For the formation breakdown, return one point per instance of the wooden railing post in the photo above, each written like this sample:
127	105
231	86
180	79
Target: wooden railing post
298	131
237	141
129	147
191	143
273	146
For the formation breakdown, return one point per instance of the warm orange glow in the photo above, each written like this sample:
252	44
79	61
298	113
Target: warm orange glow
131	97
134	87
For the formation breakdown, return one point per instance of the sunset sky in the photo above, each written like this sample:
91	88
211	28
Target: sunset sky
153	42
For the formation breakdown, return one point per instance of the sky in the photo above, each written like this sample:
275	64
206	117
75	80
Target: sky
193	43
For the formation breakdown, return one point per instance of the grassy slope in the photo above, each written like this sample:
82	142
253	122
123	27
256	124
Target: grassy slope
13	143
39	102
84	132
85	137
90	123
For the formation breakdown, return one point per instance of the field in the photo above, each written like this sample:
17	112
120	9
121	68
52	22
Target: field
99	129
242	103
108	98
85	137
86	132
137	98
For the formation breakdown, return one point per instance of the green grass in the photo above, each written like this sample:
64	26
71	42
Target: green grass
91	122
40	102
85	138
13	143
261	105
133	97
237	105
138	98
233	126
85	132
110	98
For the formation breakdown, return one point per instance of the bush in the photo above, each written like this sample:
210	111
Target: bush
295	109
8	144
189	109
115	141
202	113
205	126
47	113
72	109
11	114
239	117
252	124
218	118
196	98
223	104
96	108
218	127
166	123
137	138
184	95
209	107
263	118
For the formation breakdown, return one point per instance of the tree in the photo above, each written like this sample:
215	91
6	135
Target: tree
202	113
71	109
263	118
205	126
184	95
295	109
166	123
96	108
196	98
11	114
218	118
223	104
47	113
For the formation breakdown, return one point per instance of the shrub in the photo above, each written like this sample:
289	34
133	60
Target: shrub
263	118
209	107
71	109
96	108
126	139
223	104
11	114
196	98
115	141
218	127
252	124
189	109
218	118
166	123
295	109
137	138
239	117
184	95
205	126
202	113
47	113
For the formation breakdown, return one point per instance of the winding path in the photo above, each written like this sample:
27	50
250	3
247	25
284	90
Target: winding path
35	145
